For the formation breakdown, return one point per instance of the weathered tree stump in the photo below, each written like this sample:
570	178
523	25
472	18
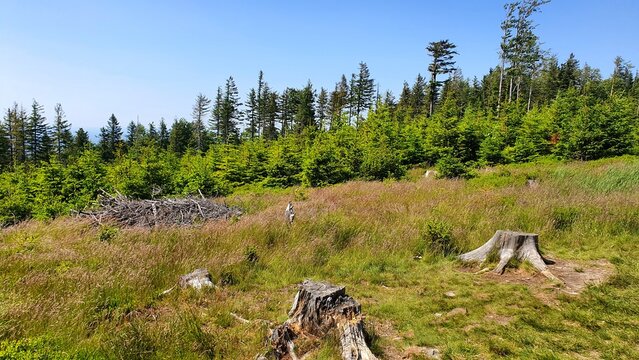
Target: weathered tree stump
509	244
289	213
319	308
197	279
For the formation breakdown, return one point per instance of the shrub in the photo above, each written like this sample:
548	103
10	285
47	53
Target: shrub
451	167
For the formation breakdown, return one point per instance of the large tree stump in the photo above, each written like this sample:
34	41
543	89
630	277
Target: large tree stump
509	244
319	308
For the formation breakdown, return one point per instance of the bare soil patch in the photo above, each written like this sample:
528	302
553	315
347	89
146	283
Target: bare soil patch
576	277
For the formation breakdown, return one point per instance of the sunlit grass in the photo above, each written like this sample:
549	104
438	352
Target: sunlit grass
90	292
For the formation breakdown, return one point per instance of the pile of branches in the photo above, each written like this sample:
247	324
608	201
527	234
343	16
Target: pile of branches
165	212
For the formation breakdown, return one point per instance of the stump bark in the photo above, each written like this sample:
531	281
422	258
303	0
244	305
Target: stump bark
289	213
509	244
319	308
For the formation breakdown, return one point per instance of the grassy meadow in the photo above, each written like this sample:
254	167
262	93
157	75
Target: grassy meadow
73	290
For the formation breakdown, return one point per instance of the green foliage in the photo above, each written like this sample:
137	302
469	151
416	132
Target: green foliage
107	233
564	217
40	348
451	167
438	237
331	159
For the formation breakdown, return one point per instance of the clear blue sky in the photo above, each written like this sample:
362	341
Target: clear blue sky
149	59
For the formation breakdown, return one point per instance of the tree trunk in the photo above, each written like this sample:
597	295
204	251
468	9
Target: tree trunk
501	80
529	95
510	90
319	308
509	244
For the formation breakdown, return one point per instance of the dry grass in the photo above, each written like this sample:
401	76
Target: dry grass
93	292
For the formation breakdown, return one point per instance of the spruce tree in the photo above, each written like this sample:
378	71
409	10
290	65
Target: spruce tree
322	109
81	142
163	135
363	91
251	114
62	137
110	139
305	114
417	100
37	136
200	109
215	123
180	136
569	75
230	113
338	102
288	108
442	53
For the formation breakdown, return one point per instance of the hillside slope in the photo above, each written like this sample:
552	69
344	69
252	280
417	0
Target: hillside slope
73	290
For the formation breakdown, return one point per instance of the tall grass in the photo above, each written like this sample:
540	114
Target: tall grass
90	292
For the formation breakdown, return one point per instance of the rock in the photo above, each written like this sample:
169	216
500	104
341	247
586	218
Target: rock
421	351
532	183
431	173
197	279
456	312
450	294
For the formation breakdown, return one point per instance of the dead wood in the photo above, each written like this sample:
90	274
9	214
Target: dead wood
318	309
508	245
148	213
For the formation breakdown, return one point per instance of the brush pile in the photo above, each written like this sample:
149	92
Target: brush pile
165	212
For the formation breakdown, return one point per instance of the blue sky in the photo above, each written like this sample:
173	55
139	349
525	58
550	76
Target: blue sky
149	59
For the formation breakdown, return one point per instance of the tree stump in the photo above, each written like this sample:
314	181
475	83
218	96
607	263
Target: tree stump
197	279
289	213
509	244
319	308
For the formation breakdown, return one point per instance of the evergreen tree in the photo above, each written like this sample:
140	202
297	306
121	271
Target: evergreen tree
230	113
363	90
442	53
251	114
5	154
305	114
417	100
338	102
62	137
81	142
621	76
37	133
288	108
180	136
569	74
215	123
270	113
200	109
163	135
404	107
152	134
110	139
323	114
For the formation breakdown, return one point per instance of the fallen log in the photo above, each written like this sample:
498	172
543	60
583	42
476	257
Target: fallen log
320	308
508	245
